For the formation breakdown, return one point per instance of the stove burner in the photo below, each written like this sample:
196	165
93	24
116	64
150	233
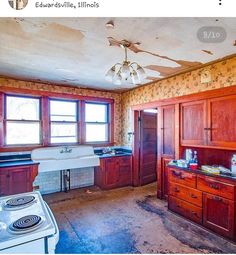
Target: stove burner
26	222
19	201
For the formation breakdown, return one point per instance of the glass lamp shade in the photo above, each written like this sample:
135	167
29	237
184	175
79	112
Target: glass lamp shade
141	73
125	71
117	79
110	74
134	77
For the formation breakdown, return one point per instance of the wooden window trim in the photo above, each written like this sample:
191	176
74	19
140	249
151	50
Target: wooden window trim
45	118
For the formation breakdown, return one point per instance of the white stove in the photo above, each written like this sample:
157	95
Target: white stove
27	225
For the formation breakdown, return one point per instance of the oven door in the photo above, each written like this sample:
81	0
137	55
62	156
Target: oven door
52	240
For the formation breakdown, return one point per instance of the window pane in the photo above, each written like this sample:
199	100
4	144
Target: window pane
63	140
96	133
22	108
95	112
63	110
63	132
22	133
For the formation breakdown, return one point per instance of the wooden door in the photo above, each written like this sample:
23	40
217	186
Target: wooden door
168	130
221	122
125	170
193	123
111	172
219	215
148	147
19	180
4	182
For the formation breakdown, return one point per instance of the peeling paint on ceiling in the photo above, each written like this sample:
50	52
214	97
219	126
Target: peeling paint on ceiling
79	51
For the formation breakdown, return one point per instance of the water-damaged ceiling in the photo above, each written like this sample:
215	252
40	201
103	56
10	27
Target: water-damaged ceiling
79	51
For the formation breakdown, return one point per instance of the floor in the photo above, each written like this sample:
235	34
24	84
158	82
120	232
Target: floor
127	220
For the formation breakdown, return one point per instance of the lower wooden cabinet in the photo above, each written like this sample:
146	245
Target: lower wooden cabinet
17	179
211	202
219	215
186	209
114	172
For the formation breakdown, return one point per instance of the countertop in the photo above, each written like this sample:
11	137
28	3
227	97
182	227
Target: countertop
198	171
17	163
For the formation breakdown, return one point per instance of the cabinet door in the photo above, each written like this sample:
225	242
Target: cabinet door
168	130
164	168
125	170
4	185
111	173
19	180
219	215
193	123
221	122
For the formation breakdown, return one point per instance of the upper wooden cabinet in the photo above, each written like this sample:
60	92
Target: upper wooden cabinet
209	122
167	115
221	121
193	123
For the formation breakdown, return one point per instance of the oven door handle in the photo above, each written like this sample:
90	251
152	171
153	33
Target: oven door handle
56	235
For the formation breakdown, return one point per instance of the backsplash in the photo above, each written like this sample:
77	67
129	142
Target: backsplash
223	75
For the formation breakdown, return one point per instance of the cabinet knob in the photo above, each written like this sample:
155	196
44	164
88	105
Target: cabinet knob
193	196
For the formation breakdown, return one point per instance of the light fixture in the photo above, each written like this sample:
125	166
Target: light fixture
125	71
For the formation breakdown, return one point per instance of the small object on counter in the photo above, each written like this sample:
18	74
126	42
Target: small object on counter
172	163
182	163
193	166
195	159
188	154
210	169
233	165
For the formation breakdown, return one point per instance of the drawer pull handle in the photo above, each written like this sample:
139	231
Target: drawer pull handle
193	213
193	196
176	189
178	175
213	186
217	198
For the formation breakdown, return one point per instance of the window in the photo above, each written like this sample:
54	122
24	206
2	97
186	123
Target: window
22	118
96	119
63	121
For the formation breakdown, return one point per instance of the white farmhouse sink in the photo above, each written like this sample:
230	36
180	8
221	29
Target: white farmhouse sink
64	157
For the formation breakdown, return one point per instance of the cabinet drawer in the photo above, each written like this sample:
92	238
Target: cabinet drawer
190	195
182	177
185	209
125	161
212	186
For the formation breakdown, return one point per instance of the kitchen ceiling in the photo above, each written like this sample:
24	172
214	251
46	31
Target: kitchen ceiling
79	51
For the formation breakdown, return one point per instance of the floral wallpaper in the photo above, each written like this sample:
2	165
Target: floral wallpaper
4	82
223	74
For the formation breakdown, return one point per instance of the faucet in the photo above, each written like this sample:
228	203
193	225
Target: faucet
66	150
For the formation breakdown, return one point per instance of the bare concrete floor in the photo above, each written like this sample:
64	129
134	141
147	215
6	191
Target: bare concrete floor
127	220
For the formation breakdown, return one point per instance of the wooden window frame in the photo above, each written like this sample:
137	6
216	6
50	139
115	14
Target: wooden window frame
98	123
5	120
45	117
65	122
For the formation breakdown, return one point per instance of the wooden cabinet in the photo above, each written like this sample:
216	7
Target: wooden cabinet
166	146
164	169
221	121
17	179
204	122
114	172
210	202
167	119
219	215
193	123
